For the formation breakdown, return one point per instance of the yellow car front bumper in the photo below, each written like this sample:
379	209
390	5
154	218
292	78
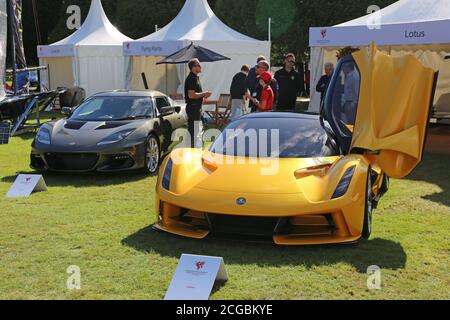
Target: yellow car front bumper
295	220
287	209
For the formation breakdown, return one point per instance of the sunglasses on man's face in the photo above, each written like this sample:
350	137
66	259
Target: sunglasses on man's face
291	61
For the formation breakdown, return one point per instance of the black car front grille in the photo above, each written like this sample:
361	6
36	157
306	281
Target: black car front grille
72	161
238	225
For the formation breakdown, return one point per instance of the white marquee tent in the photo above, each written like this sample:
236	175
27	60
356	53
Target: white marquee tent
92	57
419	27
196	23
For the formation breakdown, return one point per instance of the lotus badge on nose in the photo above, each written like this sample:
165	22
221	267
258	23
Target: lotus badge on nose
241	201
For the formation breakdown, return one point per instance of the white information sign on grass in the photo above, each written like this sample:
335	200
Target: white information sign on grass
25	185
195	277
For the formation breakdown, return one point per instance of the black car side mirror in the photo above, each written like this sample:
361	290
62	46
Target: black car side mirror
177	109
67	111
167	111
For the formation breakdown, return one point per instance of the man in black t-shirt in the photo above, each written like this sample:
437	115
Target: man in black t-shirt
195	96
290	83
238	90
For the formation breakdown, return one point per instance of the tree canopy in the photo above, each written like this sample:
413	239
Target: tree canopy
291	19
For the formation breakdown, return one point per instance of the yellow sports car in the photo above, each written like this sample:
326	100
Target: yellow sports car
301	179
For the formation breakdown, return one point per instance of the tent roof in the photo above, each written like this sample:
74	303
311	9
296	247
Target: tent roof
196	21
96	30
407	11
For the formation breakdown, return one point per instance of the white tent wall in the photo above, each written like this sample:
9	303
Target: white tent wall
432	56
416	27
217	76
100	69
59	72
155	75
94	73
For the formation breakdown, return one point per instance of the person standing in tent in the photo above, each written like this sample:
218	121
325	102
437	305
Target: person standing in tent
238	90
252	81
194	96
255	93
290	83
324	81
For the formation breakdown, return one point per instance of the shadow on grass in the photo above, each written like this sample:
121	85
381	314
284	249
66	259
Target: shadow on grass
383	253
435	170
95	179
25	136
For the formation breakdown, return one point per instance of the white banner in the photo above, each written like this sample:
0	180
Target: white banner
432	32
65	50
152	48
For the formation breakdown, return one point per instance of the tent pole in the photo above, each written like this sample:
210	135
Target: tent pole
167	80
11	16
48	77
36	22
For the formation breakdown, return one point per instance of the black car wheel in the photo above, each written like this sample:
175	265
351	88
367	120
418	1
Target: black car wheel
367	227
152	155
385	184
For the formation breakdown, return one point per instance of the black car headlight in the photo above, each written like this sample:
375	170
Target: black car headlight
43	136
344	183
116	137
167	175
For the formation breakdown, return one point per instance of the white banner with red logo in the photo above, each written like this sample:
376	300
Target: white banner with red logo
431	32
25	185
195	277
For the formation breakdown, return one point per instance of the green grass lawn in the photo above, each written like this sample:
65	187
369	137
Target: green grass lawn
101	223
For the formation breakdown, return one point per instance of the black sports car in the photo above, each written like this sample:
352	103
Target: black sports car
110	131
